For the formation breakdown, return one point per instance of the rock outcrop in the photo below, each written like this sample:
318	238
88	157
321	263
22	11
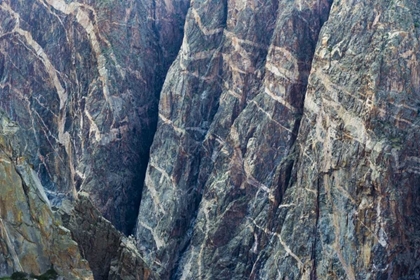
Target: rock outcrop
239	139
32	237
110	254
274	158
73	241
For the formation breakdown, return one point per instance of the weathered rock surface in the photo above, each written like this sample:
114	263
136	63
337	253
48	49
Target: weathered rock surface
110	254
286	143
36	236
129	264
233	116
83	79
32	238
353	207
239	187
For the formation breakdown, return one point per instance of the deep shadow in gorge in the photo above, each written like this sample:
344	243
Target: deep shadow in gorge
167	31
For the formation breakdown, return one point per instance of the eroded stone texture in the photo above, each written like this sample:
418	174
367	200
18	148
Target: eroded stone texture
128	264
350	207
32	238
110	254
286	148
232	117
83	79
353	210
189	100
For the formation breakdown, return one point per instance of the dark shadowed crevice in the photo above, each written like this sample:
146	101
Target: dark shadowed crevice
168	31
324	8
313	275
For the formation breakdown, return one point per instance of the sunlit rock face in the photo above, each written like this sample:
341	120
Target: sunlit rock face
32	237
73	241
355	191
247	139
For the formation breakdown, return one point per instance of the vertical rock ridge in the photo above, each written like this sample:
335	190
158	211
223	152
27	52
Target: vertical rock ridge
184	117
357	125
228	165
245	184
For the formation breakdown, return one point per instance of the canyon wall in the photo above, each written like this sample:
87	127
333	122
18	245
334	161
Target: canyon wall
83	79
286	144
235	139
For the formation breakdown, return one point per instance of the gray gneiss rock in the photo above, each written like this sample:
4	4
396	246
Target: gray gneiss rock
228	118
353	208
35	237
237	139
32	238
110	254
239	187
83	79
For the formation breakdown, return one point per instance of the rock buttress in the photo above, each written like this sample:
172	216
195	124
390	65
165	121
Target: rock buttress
223	152
32	238
353	208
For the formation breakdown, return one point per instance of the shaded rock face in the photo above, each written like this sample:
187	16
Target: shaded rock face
35	237
32	238
83	80
110	254
129	264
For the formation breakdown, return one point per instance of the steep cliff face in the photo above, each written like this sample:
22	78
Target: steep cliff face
229	191
286	144
354	201
83	79
32	238
231	106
